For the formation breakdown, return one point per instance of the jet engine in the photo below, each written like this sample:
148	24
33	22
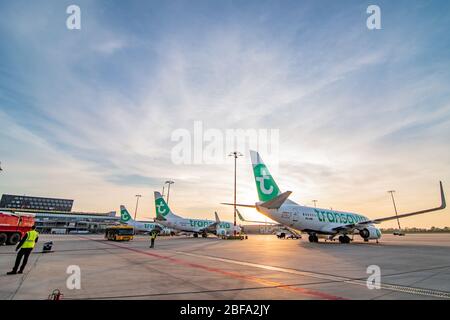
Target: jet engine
166	232
221	232
370	233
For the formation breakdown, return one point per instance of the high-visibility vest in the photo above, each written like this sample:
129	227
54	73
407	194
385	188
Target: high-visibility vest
31	239
153	235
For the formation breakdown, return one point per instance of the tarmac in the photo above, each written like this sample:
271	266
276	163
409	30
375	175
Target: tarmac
416	266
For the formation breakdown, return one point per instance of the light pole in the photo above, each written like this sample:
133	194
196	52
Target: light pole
235	154
137	203
395	208
169	182
315	203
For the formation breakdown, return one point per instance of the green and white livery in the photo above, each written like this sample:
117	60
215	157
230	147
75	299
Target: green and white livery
315	221
141	226
167	218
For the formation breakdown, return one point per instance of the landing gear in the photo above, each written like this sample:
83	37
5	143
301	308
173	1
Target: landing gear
204	235
313	238
344	239
195	235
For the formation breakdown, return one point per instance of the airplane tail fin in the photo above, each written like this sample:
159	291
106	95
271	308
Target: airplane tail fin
125	216
240	216
163	211
217	217
265	183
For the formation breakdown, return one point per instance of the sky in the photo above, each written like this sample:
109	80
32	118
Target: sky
90	114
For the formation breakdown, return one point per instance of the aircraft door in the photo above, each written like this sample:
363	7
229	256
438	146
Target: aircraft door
294	218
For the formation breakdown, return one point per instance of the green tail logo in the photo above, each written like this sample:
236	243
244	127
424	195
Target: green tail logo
124	215
162	209
265	184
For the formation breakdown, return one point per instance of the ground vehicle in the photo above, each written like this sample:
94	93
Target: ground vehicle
13	226
287	235
119	233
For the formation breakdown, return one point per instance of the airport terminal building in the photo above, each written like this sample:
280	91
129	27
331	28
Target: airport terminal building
53	215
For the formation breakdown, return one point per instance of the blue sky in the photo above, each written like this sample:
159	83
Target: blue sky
88	114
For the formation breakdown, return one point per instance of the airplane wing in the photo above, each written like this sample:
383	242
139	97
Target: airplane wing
212	227
404	215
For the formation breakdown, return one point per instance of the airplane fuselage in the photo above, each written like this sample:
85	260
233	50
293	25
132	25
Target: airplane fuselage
194	225
311	220
143	226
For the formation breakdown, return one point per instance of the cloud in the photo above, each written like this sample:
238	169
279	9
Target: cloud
134	179
110	46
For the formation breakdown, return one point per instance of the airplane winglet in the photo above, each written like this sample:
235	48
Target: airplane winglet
276	202
443	203
253	221
217	217
239	215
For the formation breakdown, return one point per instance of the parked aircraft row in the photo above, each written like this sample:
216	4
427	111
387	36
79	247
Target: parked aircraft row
316	222
167	222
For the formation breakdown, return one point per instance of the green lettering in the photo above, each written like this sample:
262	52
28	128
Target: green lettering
318	215
328	216
336	217
350	218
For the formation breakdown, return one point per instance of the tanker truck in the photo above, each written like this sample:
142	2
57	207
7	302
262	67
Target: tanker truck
13	226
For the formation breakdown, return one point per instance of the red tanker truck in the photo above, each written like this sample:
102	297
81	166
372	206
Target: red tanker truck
13	226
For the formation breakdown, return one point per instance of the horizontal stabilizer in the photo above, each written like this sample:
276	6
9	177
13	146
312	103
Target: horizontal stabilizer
159	218
276	202
239	205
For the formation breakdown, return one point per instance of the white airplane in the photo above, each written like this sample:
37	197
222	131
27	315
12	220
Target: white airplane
282	229
315	221
167	218
141	226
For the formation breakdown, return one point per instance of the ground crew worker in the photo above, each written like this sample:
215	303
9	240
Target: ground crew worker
153	235
26	245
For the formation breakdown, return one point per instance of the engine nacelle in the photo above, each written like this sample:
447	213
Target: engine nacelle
370	233
221	232
165	232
